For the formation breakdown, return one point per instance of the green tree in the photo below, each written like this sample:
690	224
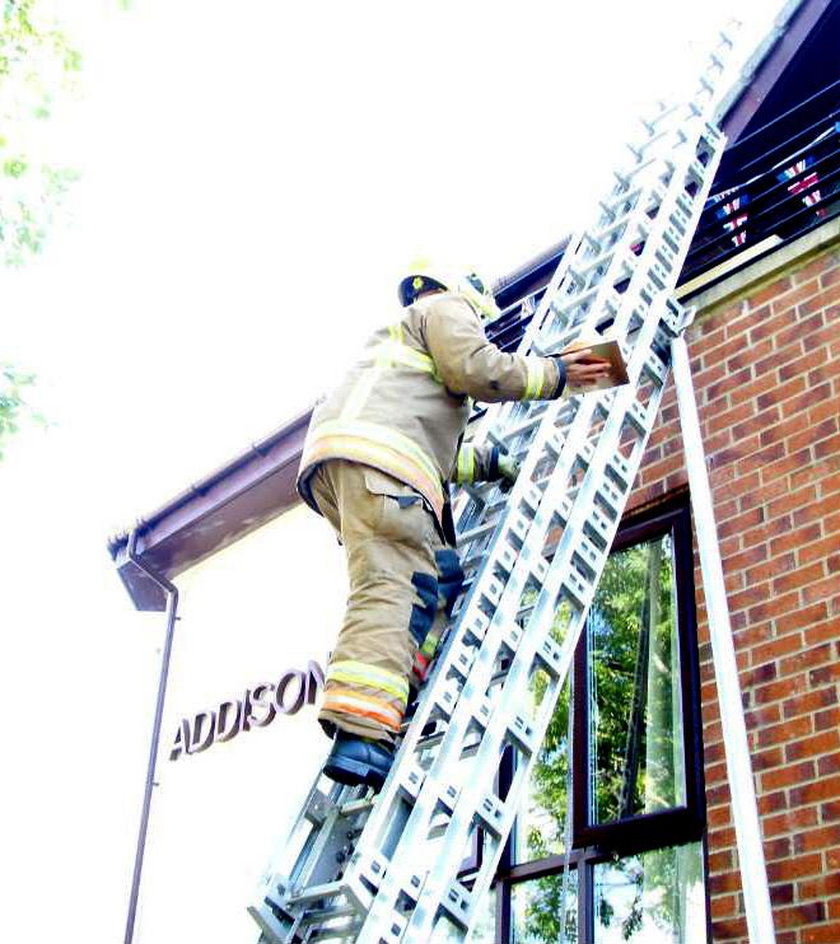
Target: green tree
37	66
12	402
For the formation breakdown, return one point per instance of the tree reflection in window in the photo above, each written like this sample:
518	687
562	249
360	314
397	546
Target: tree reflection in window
636	862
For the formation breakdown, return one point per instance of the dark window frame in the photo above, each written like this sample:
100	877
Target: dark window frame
647	831
593	845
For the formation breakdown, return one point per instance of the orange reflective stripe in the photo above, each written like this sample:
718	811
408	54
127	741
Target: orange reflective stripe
366	706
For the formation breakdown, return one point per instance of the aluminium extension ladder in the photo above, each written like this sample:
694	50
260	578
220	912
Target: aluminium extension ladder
374	869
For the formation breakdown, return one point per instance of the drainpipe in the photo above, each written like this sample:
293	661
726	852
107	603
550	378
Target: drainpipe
171	592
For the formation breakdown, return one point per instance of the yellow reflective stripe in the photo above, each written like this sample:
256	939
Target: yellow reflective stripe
429	647
381	435
394	350
536	378
388	353
465	471
358	396
361	673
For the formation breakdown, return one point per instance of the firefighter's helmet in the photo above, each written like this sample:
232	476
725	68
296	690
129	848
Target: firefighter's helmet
469	285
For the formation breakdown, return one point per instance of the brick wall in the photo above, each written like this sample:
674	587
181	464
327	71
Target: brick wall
766	368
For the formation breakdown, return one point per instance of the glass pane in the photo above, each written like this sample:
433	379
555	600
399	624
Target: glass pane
654	898
484	931
536	908
541	823
635	696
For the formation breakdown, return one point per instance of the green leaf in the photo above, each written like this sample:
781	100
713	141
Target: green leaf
16	167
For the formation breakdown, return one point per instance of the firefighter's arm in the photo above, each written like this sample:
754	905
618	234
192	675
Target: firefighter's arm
484	464
468	363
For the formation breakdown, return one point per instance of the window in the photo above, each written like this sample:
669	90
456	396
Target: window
624	860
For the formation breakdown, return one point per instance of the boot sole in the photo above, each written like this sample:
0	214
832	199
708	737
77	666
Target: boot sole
352	773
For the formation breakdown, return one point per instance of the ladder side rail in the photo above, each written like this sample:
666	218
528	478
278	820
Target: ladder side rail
751	857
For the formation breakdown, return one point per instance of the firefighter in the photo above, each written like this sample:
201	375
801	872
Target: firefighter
377	459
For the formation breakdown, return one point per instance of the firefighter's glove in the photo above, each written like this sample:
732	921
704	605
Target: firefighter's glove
503	468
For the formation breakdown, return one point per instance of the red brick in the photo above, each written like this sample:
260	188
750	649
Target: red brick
783	645
733	929
806	658
756	633
779	394
794	868
763	717
795	538
769	292
825	789
740	413
801	618
799	914
789	822
798	404
786	464
764	759
830	812
719	816
804	289
753	556
824	675
822	589
824	934
777	849
827	447
827	297
706	376
721	861
770	568
749	354
772	606
809	574
821	887
790	368
797	334
815	472
811	434
785	776
771	802
786	731
827	631
810	747
827	765
723	906
781	688
787	500
821	264
813	839
724	882
826	719
810	701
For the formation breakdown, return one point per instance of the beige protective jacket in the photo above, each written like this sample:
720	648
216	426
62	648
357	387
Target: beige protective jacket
404	406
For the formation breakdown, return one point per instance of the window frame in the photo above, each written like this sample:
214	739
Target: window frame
648	831
596	844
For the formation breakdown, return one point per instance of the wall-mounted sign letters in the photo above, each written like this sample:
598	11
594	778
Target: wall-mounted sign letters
258	707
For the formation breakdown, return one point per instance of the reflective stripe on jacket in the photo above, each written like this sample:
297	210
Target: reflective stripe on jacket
404	406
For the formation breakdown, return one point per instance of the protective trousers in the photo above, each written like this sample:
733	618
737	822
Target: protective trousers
403	584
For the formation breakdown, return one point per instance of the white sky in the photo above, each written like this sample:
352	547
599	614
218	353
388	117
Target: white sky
255	175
